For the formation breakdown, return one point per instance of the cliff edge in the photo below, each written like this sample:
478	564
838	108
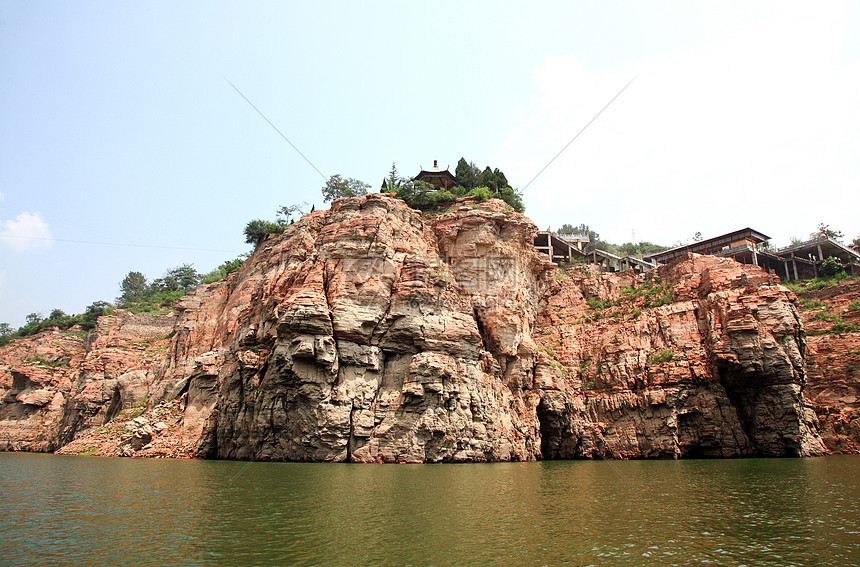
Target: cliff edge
372	333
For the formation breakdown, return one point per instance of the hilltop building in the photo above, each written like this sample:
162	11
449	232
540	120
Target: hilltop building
439	178
743	245
746	246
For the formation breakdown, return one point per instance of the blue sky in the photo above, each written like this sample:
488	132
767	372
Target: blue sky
123	147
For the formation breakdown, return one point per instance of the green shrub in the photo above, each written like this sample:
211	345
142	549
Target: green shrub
512	197
656	300
481	193
258	229
816	283
597	304
841	326
854	305
661	356
830	267
810	304
45	362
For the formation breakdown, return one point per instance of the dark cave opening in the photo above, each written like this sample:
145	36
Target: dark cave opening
551	424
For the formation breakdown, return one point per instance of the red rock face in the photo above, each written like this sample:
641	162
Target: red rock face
834	362
373	333
59	383
703	358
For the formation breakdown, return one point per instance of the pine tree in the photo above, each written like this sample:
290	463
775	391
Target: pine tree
488	179
466	174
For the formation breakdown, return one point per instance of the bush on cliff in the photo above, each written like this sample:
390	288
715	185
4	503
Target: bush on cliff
337	187
830	267
224	269
258	229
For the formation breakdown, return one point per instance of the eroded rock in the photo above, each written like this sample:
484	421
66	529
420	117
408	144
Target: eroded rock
373	333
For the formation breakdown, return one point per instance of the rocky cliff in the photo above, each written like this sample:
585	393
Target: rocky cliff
372	333
834	362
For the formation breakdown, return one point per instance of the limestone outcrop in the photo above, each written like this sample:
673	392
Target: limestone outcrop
372	333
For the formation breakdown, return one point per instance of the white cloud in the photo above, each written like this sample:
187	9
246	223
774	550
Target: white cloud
27	232
754	125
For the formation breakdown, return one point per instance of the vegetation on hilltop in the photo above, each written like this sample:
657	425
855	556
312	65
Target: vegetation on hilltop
35	322
337	187
258	229
471	182
137	295
141	296
824	229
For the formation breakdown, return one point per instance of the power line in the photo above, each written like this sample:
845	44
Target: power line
276	128
580	132
122	244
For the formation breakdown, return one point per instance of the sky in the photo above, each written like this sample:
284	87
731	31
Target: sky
124	147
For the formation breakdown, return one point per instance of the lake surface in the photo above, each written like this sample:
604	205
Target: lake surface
94	511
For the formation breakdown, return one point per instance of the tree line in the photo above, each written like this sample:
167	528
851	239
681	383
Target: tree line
137	295
635	249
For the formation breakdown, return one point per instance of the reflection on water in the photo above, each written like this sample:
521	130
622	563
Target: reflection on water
92	511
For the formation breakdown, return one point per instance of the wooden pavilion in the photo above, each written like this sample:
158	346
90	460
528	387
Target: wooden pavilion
439	178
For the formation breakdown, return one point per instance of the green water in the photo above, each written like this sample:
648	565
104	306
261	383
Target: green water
93	511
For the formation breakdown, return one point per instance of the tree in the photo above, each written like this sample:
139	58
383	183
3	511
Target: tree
422	195
5	329
584	230
56	314
636	249
512	197
501	180
257	229
233	265
392	183
488	179
697	237
337	187
33	319
221	271
95	310
467	174
285	213
185	276
134	288
825	228
856	241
